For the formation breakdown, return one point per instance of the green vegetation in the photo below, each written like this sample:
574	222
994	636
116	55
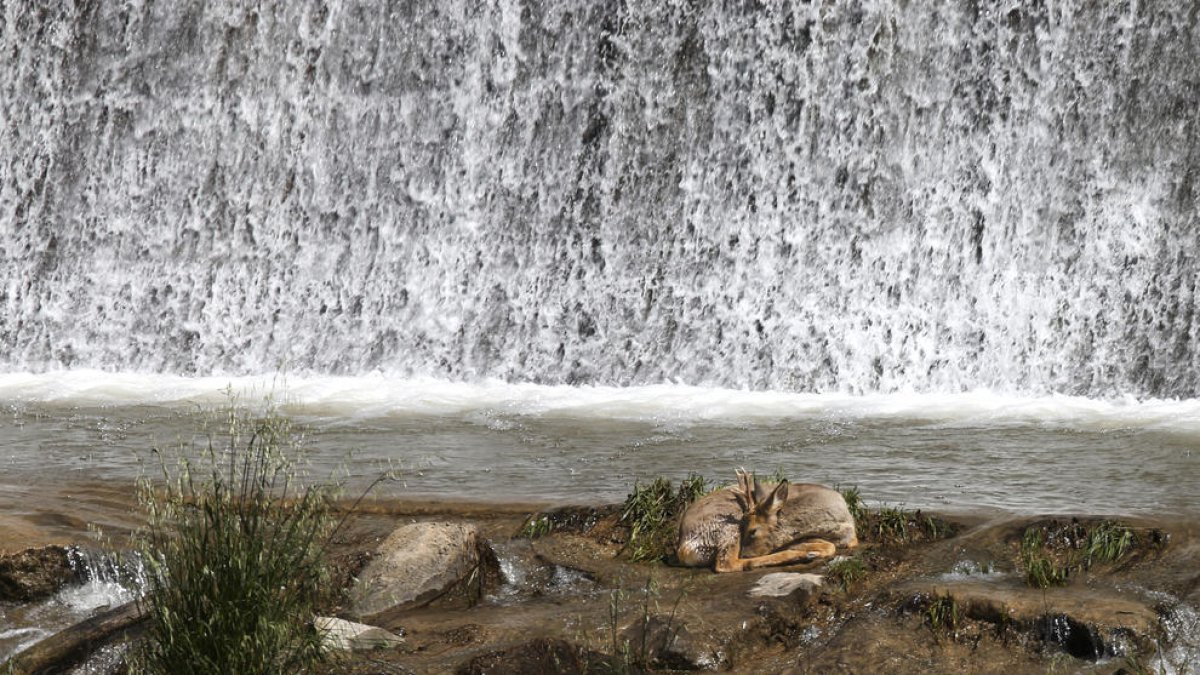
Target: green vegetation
536	525
638	648
858	509
846	572
1041	571
891	525
652	511
942	615
235	552
1049	553
1107	542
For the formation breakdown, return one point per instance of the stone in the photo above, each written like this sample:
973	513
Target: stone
784	584
348	636
35	573
419	563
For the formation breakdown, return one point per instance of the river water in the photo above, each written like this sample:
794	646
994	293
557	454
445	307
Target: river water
504	442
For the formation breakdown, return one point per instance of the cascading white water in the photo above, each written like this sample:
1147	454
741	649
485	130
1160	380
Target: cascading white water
809	196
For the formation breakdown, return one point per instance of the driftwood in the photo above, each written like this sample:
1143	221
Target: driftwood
64	650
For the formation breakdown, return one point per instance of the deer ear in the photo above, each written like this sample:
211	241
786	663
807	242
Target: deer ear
745	490
775	500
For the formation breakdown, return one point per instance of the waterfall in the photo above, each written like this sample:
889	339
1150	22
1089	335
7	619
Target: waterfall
814	196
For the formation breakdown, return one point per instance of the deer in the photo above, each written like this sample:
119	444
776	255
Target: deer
750	525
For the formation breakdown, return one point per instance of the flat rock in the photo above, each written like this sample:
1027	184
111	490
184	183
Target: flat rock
348	636
415	565
783	584
35	573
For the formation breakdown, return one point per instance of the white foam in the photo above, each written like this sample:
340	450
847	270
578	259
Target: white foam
362	398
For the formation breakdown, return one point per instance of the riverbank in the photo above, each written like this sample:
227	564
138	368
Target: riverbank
957	599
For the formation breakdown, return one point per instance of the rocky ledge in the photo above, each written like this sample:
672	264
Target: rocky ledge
931	595
475	589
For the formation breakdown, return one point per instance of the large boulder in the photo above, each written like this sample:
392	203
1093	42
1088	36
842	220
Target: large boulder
420	563
35	573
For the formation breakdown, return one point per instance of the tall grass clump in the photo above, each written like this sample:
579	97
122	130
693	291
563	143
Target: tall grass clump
652	511
234	546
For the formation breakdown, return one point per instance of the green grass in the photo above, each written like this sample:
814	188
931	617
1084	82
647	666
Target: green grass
846	572
1107	542
235	553
651	512
536	525
858	509
891	525
942	615
1050	553
1041	571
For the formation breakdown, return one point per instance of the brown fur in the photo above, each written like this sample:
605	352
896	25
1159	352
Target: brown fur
751	525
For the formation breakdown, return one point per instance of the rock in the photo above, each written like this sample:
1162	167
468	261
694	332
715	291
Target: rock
347	636
422	562
783	584
35	573
72	646
1086	623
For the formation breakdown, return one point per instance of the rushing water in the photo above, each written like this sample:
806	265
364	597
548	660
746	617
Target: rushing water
861	197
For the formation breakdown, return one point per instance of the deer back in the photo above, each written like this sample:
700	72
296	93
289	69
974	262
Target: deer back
811	511
710	524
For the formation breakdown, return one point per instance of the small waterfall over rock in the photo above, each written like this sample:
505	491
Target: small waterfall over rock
779	194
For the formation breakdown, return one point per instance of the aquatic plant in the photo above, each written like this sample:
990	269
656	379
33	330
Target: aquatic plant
234	548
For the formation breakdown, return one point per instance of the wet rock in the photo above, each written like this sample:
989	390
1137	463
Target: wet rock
1086	623
348	636
783	584
35	573
423	562
545	655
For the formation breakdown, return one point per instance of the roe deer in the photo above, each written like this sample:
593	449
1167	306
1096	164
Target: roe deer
749	525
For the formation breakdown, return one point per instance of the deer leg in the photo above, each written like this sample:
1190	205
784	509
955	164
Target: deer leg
808	551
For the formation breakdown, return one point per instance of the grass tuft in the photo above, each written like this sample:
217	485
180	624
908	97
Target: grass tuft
942	615
1107	542
651	512
846	572
1050	552
1041	571
858	509
235	555
535	526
